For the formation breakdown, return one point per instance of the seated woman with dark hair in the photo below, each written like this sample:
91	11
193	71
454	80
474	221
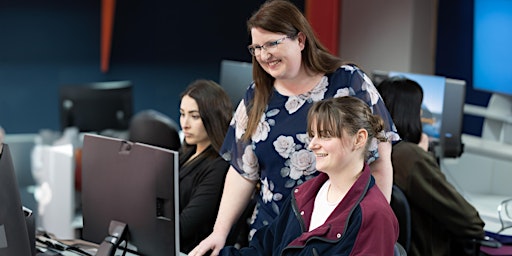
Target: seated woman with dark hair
439	214
205	113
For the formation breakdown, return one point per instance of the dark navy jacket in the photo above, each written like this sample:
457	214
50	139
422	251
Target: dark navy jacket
363	223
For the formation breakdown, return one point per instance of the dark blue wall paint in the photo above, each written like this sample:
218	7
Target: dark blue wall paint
160	46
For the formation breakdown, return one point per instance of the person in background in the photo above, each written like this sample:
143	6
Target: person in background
205	112
439	214
266	143
341	211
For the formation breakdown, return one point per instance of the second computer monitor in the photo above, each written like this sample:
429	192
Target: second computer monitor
131	184
235	78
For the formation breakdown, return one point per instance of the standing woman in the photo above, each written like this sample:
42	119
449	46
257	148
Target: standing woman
205	112
266	143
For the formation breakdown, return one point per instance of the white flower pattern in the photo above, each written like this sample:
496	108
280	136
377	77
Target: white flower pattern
302	163
371	89
342	92
240	120
294	103
250	163
284	145
262	130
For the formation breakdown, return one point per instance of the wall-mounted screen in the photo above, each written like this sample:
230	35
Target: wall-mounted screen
492	53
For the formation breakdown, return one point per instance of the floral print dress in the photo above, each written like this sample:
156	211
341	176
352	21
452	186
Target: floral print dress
277	154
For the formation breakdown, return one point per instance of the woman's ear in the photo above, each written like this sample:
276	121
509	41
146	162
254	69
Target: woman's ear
301	37
360	139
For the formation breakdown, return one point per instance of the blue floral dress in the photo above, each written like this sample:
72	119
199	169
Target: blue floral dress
277	154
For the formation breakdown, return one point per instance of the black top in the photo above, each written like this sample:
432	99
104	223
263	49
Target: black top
201	185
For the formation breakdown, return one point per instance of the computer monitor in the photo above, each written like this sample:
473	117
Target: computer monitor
235	78
96	107
453	114
442	108
132	184
14	236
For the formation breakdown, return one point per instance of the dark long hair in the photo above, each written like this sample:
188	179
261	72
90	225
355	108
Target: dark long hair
215	109
403	98
282	16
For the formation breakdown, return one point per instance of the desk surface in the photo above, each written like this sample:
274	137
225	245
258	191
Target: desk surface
73	247
487	207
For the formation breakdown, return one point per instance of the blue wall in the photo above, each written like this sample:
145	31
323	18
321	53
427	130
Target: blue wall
160	46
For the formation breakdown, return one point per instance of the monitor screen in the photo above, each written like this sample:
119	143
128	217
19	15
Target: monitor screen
491	46
96	107
443	105
134	184
433	100
235	78
14	237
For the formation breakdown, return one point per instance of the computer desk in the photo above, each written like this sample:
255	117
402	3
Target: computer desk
47	244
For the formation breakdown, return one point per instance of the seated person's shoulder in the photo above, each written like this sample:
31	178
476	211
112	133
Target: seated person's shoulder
407	148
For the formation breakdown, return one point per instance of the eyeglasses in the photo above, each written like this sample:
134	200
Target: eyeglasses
268	46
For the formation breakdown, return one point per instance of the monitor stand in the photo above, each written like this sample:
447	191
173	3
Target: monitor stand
498	123
117	233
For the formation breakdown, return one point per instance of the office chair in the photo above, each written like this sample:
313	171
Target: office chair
401	208
154	128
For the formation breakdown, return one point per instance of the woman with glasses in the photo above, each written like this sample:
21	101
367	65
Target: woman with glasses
266	143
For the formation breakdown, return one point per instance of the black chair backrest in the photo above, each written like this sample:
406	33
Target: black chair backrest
154	128
400	206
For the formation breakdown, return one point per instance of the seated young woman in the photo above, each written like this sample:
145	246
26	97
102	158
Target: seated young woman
205	113
341	211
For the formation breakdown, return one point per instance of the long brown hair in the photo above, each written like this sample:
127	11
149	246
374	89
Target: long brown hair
215	109
282	16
